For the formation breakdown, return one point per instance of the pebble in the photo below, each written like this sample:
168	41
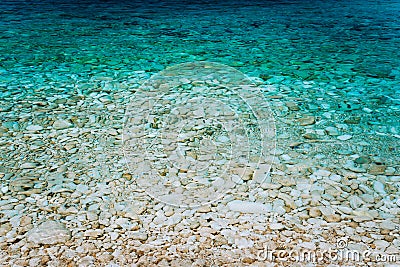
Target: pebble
123	223
25	221
138	235
93	233
379	187
204	209
248	207
388	225
335	177
61	124
323	173
314	212
369	198
242	243
194	225
332	131
355	202
276	226
4	189
333	218
292	106
169	213
49	233
311	136
345	209
376	169
34	128
362	216
326	210
307	120
81	188
114	236
344	137
361	160
308	245
28	165
381	244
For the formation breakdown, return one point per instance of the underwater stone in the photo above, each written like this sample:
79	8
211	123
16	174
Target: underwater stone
323	173
361	160
355	202
61	124
11	125
332	131
4	189
28	165
49	233
344	137
379	187
311	136
388	225
292	106
307	120
34	128
377	169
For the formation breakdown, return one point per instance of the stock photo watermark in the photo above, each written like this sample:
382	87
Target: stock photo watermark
340	253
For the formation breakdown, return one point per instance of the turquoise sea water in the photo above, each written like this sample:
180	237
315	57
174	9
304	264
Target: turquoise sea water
332	41
348	48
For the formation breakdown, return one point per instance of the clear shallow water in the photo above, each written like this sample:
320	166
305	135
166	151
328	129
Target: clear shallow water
348	49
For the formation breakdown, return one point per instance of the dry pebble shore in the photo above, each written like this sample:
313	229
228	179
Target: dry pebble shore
67	198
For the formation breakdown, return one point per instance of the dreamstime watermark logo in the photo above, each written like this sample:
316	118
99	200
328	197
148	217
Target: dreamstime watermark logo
340	253
196	130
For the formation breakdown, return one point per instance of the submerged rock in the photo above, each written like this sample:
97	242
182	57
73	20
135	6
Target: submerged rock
379	187
49	233
307	120
344	137
28	165
34	128
332	131
61	124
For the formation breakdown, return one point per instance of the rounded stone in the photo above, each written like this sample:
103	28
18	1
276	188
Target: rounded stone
49	233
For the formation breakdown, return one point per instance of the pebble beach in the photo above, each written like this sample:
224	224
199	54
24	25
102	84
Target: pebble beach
207	134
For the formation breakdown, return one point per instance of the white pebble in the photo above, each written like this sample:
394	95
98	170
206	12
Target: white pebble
4	189
49	232
243	243
276	226
379	187
28	165
114	236
248	207
223	139
34	128
335	177
355	202
344	137
61	124
323	173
